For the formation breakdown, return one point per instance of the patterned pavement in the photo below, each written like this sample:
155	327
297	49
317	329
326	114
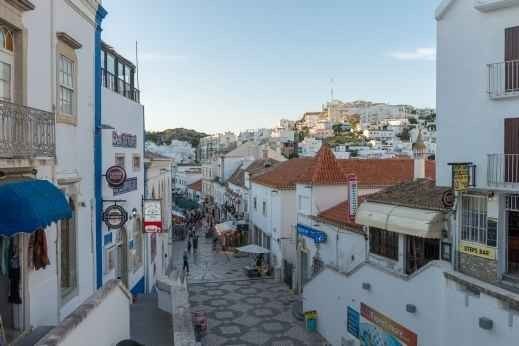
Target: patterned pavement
241	311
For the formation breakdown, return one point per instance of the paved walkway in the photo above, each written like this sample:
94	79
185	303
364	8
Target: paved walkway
148	324
241	311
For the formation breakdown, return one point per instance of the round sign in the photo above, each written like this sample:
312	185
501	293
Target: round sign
115	176
115	217
448	199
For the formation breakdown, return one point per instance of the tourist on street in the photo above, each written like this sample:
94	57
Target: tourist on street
195	243
189	245
185	268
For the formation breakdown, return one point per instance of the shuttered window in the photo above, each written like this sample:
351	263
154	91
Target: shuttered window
511	147
512	59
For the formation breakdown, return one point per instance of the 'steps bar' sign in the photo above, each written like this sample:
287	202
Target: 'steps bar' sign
352	195
115	176
152	216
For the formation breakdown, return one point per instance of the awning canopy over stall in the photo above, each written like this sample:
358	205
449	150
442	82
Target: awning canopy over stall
410	221
29	204
224	227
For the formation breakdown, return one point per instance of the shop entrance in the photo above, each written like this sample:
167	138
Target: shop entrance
513	243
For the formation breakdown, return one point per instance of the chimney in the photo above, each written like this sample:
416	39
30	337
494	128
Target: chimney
419	168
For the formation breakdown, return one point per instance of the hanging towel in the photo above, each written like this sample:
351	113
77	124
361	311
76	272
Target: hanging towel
40	256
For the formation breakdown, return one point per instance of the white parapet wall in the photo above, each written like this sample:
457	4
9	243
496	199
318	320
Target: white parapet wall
103	319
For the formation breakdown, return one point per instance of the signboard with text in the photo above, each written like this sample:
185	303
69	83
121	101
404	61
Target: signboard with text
152	215
460	176
115	217
479	250
129	185
124	140
115	176
352	196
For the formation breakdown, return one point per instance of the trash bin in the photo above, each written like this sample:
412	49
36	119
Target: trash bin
311	320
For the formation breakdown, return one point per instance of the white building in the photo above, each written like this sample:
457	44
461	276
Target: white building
185	175
309	146
123	145
215	145
158	186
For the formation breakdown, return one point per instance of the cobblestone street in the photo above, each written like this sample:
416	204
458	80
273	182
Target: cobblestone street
241	311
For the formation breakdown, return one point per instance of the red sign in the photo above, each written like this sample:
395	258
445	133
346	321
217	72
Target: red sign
115	176
152	216
388	325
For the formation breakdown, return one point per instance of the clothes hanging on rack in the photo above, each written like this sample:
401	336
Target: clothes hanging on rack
40	256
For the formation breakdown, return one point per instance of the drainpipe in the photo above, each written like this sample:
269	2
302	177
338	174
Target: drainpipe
98	174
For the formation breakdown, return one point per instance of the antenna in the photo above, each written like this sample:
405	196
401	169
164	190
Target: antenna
137	63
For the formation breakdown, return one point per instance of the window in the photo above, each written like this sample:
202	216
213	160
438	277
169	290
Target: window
66	85
119	160
383	243
136	162
255	203
474	219
6	39
5	81
68	253
264	208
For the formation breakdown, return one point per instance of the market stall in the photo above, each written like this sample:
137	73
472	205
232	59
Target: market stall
260	267
229	235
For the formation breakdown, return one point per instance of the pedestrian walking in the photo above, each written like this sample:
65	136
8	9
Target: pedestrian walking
195	243
189	245
185	268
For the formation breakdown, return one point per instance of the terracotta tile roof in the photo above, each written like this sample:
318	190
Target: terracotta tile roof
422	194
256	167
338	216
326	170
196	186
237	178
370	173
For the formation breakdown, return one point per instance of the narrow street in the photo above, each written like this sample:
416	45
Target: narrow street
241	311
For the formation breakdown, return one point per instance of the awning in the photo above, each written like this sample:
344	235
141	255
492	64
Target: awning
224	227
253	249
415	222
27	205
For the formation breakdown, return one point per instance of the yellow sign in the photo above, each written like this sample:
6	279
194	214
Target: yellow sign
460	178
478	250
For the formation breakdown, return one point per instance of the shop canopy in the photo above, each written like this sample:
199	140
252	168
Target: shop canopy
224	227
27	205
420	223
253	248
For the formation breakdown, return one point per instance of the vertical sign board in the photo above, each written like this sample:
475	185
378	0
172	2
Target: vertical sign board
152	216
378	329
352	195
460	177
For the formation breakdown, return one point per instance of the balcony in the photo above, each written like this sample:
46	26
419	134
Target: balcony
120	86
503	171
26	132
503	79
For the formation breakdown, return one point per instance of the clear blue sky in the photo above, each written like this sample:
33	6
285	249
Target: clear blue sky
236	64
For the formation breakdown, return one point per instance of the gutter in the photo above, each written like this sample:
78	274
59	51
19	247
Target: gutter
98	140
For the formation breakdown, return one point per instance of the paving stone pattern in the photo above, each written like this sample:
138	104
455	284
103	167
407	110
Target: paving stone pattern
241	311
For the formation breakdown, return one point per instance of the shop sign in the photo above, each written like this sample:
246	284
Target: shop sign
448	199
378	329
353	322
115	176
124	140
152	216
115	217
461	176
128	186
479	250
317	236
352	196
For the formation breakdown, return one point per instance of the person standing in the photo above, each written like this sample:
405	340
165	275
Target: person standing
185	267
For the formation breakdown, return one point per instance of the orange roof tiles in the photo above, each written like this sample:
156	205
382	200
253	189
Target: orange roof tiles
339	216
326	170
197	185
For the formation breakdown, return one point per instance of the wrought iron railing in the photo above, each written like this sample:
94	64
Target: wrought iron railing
503	79
503	170
26	132
120	86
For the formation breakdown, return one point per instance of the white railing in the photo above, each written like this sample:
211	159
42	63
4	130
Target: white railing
503	79
503	170
26	132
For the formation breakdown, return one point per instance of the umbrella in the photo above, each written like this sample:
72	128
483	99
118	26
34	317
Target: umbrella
252	248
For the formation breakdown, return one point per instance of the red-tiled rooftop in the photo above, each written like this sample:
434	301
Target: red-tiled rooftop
339	216
196	186
322	171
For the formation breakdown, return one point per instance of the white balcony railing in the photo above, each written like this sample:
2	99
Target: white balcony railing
503	79
26	132
503	170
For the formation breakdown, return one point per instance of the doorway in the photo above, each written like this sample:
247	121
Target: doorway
122	257
513	243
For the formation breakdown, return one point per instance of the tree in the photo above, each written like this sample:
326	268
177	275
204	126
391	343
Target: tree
405	136
412	120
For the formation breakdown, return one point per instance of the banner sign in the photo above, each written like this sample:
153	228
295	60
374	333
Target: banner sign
378	329
461	176
479	250
124	140
128	186
115	176
353	322
152	216
115	217
317	236
352	196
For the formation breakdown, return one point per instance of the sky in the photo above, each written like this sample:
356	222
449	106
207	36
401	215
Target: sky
241	64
